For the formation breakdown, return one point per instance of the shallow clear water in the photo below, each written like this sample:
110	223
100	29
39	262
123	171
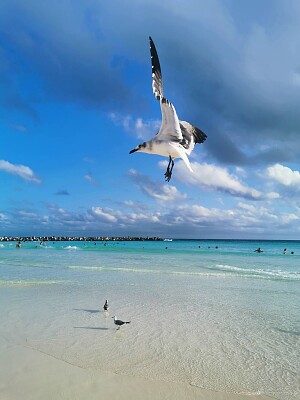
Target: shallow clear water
212	313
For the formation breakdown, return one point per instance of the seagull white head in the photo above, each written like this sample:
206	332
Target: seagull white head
140	147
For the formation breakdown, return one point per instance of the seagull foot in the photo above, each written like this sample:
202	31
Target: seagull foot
168	175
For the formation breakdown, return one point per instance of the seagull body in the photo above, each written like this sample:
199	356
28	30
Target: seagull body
175	139
119	322
105	307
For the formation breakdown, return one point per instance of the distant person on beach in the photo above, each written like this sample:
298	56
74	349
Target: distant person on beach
259	250
18	246
284	251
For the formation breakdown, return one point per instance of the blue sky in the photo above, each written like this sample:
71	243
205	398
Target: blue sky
76	97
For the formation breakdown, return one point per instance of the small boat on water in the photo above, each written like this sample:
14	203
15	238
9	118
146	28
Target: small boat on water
168	240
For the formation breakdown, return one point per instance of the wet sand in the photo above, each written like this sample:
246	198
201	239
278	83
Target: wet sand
29	374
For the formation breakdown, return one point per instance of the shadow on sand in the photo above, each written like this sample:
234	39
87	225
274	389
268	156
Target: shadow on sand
89	311
91	327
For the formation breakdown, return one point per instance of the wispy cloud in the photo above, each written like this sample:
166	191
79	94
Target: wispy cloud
156	190
20	170
135	205
3	217
142	129
89	178
19	127
89	160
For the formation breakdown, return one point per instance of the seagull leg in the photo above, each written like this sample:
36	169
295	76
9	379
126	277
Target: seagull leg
169	170
167	173
172	168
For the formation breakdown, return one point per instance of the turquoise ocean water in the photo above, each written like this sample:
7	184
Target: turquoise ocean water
209	312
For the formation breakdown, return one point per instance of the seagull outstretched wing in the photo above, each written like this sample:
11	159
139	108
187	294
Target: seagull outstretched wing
156	72
170	128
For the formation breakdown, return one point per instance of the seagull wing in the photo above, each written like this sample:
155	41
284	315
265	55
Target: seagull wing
190	136
156	72
170	128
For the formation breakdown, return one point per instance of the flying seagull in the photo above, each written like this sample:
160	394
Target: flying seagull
119	322
175	138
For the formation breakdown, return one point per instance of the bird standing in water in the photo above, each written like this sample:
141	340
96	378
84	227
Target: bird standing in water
105	307
119	323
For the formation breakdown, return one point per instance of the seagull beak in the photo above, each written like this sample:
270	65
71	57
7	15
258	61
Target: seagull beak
133	150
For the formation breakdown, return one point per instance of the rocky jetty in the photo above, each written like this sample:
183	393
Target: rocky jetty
76	238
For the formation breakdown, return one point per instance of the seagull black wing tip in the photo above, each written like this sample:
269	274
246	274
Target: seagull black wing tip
199	135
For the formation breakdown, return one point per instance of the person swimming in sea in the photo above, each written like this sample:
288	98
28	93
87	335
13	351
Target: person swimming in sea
259	250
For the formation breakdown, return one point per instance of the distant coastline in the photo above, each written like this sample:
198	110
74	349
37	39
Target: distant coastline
76	239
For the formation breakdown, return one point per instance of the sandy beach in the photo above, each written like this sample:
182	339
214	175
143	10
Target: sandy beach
31	375
204	323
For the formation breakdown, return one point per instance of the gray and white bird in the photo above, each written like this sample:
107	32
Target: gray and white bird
105	307
119	323
175	138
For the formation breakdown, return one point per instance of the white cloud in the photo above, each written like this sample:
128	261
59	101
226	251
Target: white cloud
104	215
142	129
215	178
135	205
89	178
240	171
22	171
198	213
146	129
187	220
283	175
287	218
54	209
155	190
164	193
273	195
3	217
27	214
